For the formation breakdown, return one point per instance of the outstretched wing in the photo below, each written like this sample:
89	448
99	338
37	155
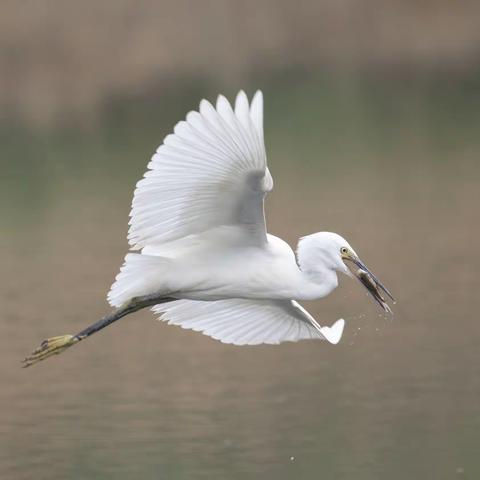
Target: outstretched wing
212	171
249	322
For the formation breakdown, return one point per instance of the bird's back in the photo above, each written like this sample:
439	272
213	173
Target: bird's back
213	265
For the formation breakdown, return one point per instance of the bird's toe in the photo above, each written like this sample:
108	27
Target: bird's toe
50	346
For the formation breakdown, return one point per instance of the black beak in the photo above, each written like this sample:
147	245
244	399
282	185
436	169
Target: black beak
373	285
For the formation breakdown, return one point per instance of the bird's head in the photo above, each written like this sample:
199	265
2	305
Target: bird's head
332	251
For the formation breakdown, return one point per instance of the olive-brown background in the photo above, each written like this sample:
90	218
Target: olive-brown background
372	130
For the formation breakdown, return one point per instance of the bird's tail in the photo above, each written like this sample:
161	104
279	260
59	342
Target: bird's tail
139	275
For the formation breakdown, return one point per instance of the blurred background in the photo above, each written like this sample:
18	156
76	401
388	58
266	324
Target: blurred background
372	118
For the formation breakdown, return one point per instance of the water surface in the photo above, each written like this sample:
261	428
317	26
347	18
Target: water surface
397	398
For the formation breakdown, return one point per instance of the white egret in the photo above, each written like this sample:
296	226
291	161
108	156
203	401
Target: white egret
202	255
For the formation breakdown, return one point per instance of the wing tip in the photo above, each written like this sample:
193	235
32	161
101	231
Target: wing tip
256	112
222	103
258	95
241	95
334	333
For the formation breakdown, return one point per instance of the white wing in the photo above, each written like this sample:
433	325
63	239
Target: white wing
249	322
210	172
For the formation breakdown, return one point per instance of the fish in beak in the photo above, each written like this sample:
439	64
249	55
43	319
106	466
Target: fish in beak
373	285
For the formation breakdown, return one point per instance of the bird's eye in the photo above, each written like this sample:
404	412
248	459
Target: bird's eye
344	250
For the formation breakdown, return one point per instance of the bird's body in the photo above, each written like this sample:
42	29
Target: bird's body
202	256
217	265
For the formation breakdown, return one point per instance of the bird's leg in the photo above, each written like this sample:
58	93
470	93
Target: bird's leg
55	345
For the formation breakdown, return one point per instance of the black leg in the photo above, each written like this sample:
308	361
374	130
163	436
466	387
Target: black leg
55	345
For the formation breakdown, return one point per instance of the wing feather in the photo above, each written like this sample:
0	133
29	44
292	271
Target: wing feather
212	171
248	322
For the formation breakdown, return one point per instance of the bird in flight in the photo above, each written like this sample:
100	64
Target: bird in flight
201	256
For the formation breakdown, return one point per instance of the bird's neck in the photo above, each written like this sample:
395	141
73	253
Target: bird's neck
318	271
318	283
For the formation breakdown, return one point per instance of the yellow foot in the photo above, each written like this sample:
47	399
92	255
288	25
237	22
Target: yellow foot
49	347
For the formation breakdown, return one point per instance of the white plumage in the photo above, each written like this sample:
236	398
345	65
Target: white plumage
211	172
198	220
202	255
248	322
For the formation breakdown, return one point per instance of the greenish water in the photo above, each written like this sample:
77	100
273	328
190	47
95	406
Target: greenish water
394	168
